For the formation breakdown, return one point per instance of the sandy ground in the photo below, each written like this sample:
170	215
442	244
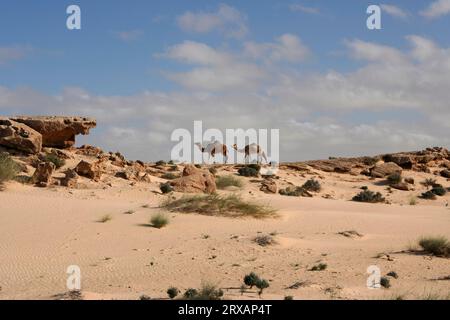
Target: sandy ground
43	231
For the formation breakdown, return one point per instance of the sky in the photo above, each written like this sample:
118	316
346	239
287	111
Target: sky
311	69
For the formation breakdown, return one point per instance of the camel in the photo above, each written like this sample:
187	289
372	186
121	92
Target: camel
214	148
252	149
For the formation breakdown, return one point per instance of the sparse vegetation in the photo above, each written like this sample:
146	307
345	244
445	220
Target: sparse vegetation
160	163
165	187
385	282
312	185
288	298
169	176
159	220
190	293
429	182
208	291
53	158
438	190
264	240
262	284
251	279
412	201
105	218
368	196
8	168
394	178
172	292
437	246
223	182
248	171
319	267
295	192
230	206
213	171
428	195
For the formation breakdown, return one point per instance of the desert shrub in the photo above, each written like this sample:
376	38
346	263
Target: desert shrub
213	204
172	292
223	182
428	195
145	297
295	192
438	190
264	240
171	162
165	187
198	166
159	220
368	196
53	158
169	176
438	246
248	172
288	298
105	218
364	188
8	168
213	171
429	182
160	163
261	284
385	282
312	185
392	274
319	267
394	178
412	201
173	168
207	292
251	279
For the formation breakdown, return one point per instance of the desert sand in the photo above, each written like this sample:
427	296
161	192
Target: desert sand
44	230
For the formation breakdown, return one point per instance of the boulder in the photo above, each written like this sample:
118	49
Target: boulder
445	173
89	170
19	136
43	174
409	180
269	186
71	179
194	180
383	170
401	186
403	160
58	132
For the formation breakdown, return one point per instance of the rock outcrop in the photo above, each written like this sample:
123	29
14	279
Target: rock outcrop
20	137
58	132
383	170
194	180
43	175
70	179
269	186
89	170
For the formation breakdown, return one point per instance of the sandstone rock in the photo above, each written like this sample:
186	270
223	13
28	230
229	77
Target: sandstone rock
18	136
401	186
409	180
43	174
90	151
402	160
269	186
71	179
89	170
58	132
445	173
385	169
194	180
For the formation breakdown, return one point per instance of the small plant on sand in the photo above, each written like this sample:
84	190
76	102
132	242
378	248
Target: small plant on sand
8	168
160	163
412	201
159	220
53	158
105	218
190	293
312	185
368	196
295	192
172	292
213	204
208	291
248	171
394	178
319	267
262	284
437	246
165	187
428	195
264	240
223	182
171	162
439	190
288	298
385	282
251	279
169	176
429	182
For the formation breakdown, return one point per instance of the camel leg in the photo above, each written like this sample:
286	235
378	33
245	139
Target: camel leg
264	156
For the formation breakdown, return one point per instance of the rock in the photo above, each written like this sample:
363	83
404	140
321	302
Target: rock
401	186
89	170
58	132
385	169
43	174
409	180
269	186
445	173
18	136
127	174
194	180
71	179
402	160
90	151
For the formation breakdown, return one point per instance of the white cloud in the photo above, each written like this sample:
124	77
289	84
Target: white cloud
436	9
226	19
8	54
305	9
394	11
130	35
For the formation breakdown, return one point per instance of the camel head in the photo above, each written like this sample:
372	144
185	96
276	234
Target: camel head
235	146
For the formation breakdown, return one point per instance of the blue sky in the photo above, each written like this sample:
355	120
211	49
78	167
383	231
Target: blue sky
128	51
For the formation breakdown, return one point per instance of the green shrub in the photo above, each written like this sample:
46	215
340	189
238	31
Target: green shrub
312	185
394	178
172	292
213	204
429	182
319	267
368	196
190	293
295	192
223	182
438	246
262	284
438	190
429	195
169	176
160	163
385	282
248	172
207	292
251	279
8	168
165	187
159	220
53	158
